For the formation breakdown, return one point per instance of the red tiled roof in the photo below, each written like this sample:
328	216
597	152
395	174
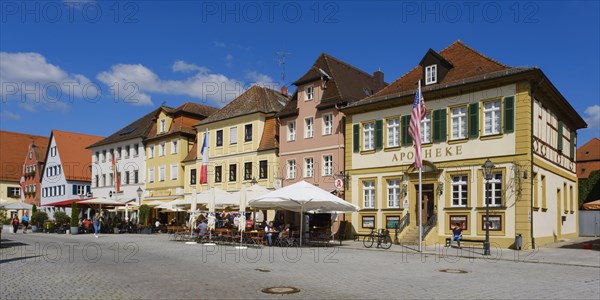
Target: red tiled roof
255	99
269	139
466	63
193	153
74	155
13	150
590	151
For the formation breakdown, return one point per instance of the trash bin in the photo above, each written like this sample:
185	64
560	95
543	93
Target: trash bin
518	241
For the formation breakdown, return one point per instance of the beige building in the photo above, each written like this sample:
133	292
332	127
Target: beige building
170	140
477	108
243	142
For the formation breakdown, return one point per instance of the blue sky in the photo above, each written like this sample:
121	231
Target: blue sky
95	66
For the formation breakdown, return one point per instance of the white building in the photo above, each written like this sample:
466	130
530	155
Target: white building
67	174
127	147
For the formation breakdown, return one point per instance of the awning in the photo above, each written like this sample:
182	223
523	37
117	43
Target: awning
64	203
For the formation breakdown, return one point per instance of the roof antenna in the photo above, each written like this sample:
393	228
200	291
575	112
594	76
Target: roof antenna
281	61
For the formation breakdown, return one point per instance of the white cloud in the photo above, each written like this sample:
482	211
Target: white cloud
592	116
219	44
261	79
7	115
229	60
141	81
182	66
30	79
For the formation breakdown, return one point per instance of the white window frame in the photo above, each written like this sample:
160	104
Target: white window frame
151	174
291	131
496	190
393	193
80	189
369	136
393	132
309	127
310	93
291	169
161	173
458	122
174	175
369	193
328	165
174	146
233	138
309	167
460	185
492	117
430	74
328	124
163	125
150	151
426	129
162	149
136	150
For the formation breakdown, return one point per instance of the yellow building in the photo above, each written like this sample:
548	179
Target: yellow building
243	143
170	140
477	109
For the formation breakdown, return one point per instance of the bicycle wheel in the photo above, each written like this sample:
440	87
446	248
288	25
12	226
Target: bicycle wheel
368	241
386	242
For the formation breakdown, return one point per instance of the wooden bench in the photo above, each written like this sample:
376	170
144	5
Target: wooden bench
463	240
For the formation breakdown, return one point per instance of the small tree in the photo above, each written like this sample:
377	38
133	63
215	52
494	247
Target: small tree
38	218
61	217
74	215
33	209
144	211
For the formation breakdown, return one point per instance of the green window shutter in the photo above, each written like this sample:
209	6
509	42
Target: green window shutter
509	114
560	136
573	138
406	139
378	134
439	125
356	137
474	120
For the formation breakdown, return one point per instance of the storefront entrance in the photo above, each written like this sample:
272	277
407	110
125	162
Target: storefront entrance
428	203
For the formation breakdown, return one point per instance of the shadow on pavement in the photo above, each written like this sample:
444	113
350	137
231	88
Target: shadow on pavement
3	261
588	245
5	243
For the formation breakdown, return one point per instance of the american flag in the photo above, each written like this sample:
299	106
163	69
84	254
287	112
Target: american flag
414	129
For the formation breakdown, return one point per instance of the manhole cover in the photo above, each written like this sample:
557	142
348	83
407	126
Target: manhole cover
281	290
263	270
454	271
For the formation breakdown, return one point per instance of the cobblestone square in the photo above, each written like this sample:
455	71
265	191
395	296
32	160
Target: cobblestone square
50	266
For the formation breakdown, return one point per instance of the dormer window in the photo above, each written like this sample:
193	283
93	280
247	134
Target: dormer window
431	74
309	93
162	125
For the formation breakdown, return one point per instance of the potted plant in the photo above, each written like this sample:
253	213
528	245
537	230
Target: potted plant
37	219
74	218
116	225
62	219
144	212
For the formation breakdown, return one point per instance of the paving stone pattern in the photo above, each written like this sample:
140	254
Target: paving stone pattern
50	266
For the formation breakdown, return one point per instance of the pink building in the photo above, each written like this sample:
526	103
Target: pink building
311	134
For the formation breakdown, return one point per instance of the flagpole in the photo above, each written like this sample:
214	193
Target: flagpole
420	212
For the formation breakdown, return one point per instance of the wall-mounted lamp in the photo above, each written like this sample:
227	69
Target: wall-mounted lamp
440	188
404	190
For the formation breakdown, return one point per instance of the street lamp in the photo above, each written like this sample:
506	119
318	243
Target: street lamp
488	168
139	193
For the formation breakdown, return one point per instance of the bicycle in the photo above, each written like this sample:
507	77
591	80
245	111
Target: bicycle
383	239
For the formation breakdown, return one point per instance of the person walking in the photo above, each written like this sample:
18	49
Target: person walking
25	221
97	222
15	224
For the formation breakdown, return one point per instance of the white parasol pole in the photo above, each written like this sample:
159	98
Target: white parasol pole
420	213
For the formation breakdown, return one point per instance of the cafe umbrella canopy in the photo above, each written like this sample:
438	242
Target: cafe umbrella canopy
302	197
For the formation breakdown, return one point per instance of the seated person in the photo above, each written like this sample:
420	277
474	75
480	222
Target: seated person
202	227
456	234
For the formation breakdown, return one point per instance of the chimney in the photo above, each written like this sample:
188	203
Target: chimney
378	77
284	90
